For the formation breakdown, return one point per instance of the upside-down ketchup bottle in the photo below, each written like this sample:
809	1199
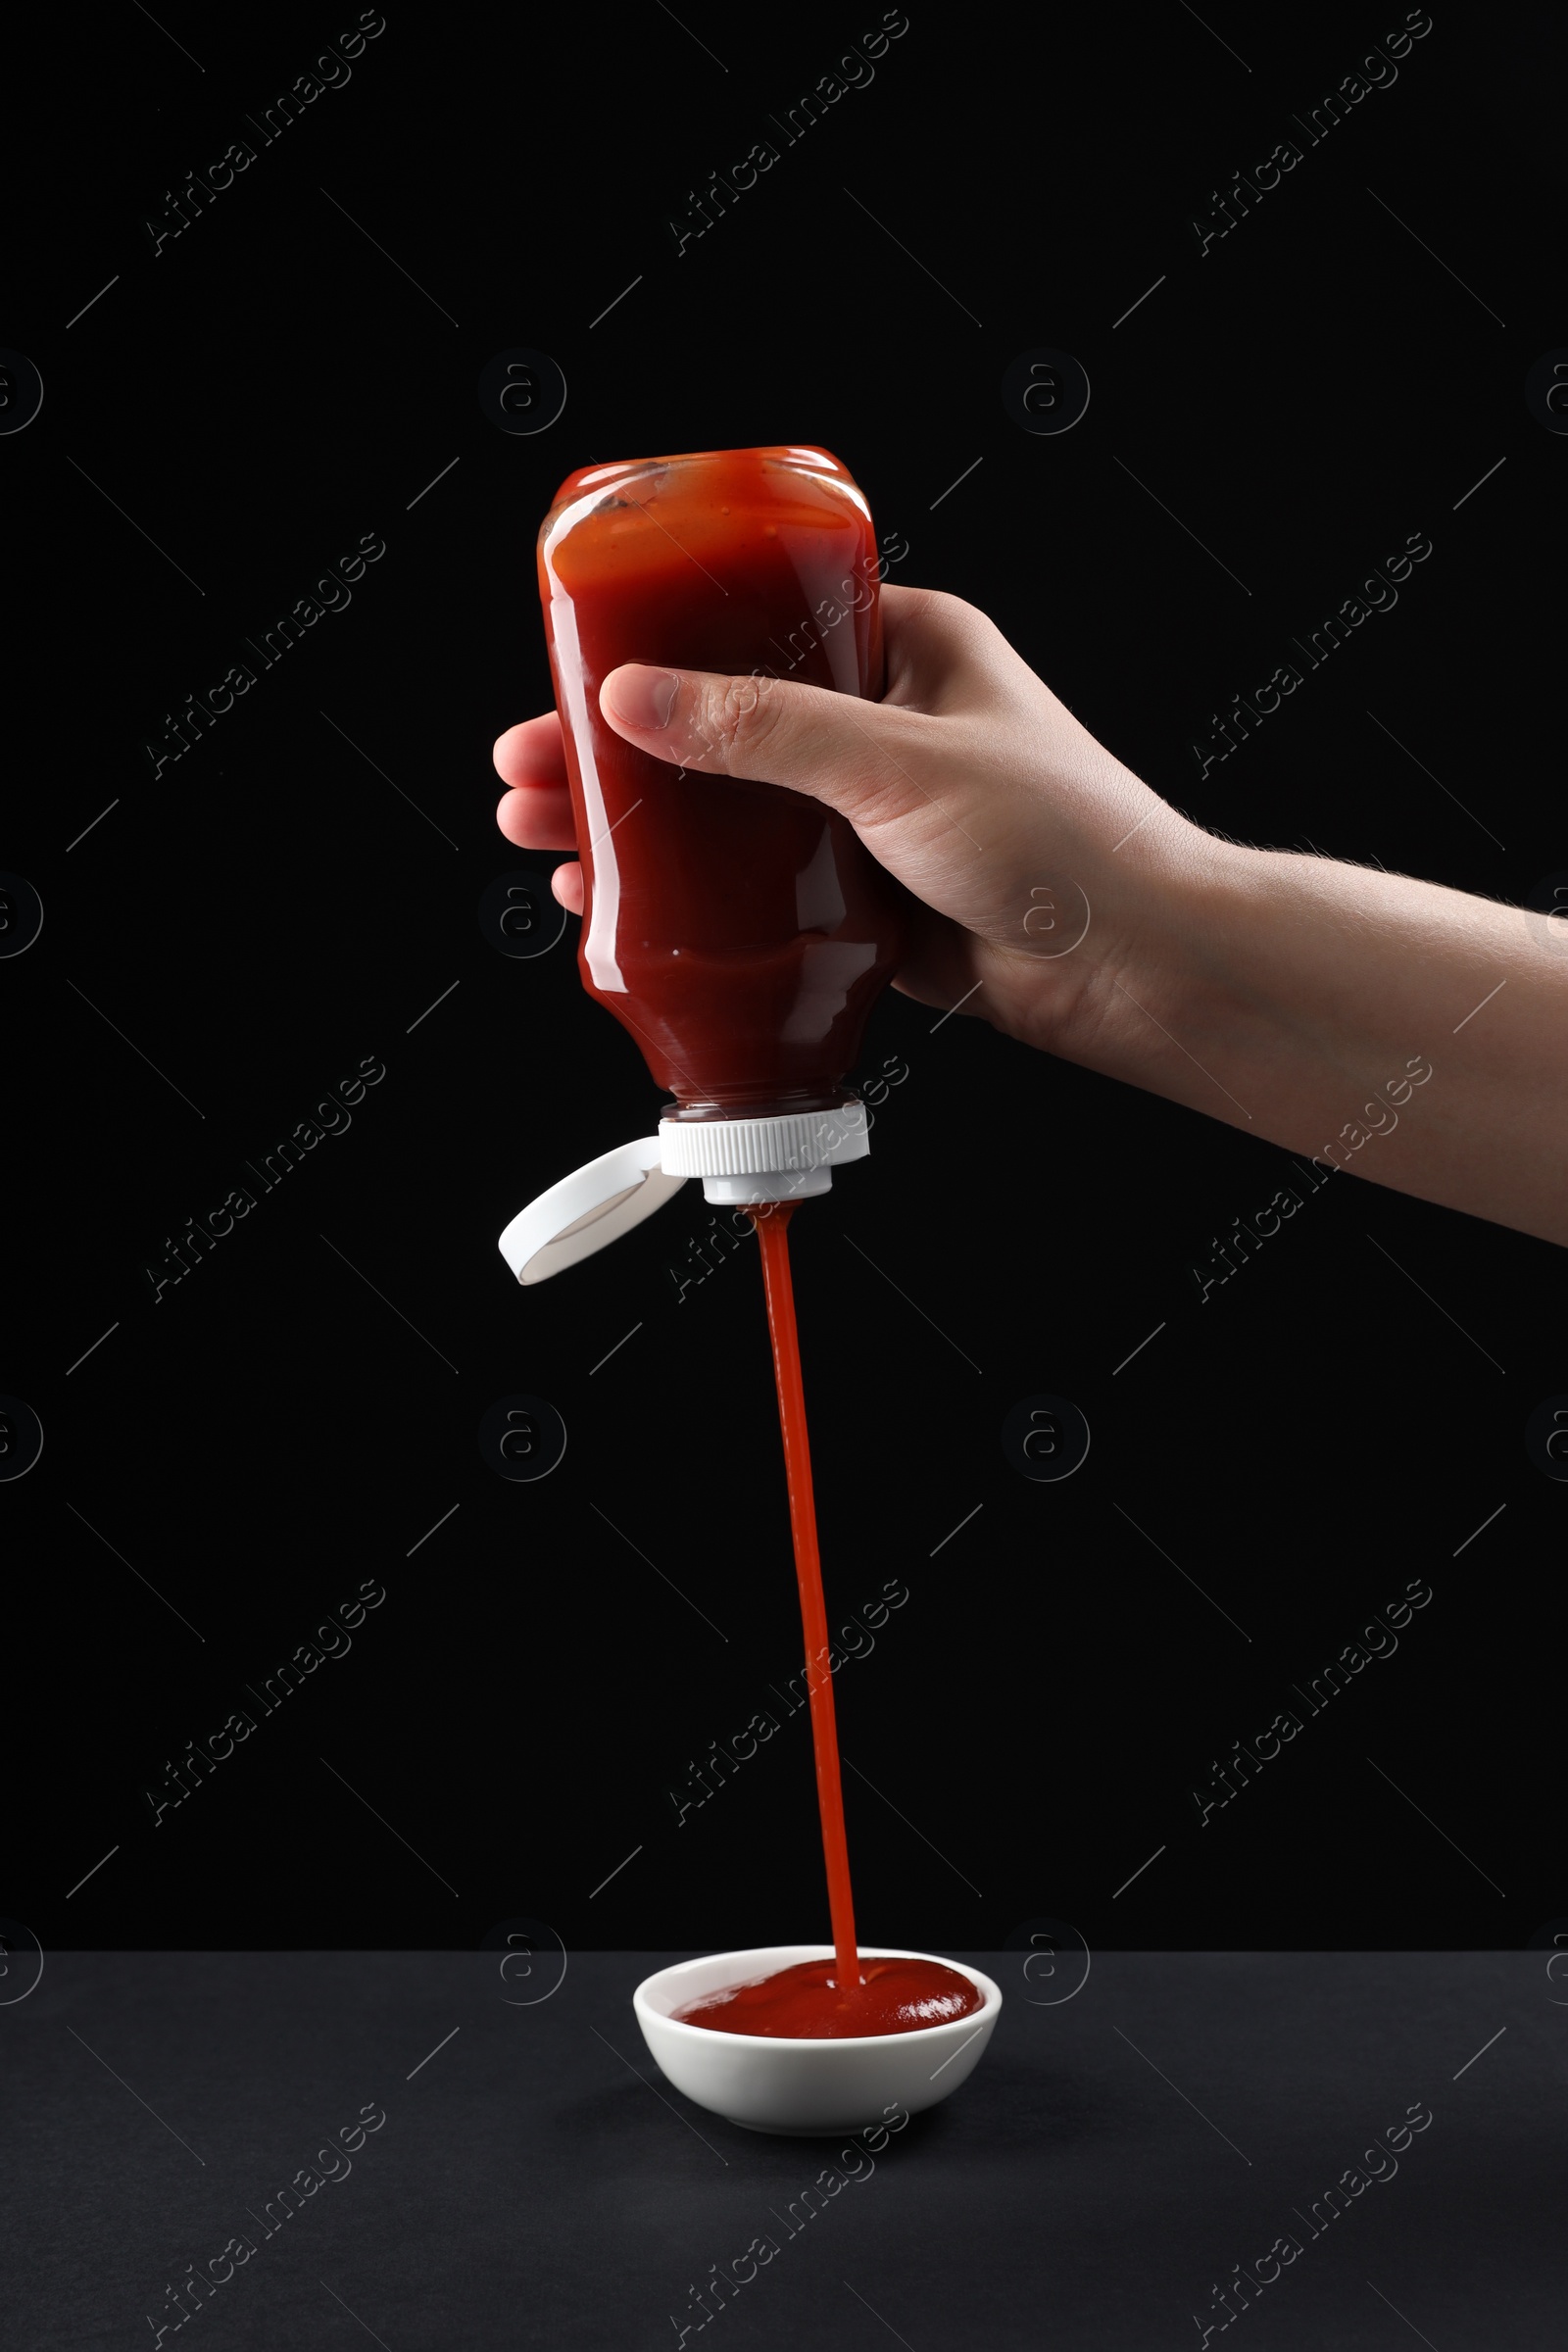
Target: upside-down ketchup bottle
740	932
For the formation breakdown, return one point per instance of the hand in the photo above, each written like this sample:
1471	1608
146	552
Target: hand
971	783
1286	994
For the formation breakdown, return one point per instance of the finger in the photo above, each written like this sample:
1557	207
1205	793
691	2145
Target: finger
862	758
940	962
532	753
537	816
935	645
566	883
532	758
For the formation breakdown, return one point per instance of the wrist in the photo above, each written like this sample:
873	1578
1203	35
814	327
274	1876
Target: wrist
1202	946
1161	973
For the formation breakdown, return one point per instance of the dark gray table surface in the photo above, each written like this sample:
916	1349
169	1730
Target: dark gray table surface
536	2181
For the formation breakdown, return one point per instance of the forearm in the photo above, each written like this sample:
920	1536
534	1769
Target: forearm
1313	997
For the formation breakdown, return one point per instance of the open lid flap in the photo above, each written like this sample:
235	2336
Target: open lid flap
594	1205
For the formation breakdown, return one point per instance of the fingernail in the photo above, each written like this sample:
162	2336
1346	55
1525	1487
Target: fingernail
644	698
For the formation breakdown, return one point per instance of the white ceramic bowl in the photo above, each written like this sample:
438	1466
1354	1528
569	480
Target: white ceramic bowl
806	2087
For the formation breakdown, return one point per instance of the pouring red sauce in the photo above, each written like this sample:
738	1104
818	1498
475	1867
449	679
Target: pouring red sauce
844	1997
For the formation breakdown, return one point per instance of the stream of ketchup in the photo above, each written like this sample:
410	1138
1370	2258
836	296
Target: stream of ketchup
846	1996
772	1238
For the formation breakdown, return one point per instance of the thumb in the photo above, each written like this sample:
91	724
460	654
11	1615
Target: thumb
854	755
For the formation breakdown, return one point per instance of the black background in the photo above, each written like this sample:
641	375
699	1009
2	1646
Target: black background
267	910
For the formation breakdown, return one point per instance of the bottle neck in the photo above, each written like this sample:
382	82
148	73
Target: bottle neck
759	1103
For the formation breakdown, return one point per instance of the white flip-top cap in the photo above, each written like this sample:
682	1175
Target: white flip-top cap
593	1205
787	1158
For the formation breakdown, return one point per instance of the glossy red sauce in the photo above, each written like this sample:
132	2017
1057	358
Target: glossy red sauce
805	2002
844	1996
773	1240
741	933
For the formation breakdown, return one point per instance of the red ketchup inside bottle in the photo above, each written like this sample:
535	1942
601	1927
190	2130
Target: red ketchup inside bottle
741	933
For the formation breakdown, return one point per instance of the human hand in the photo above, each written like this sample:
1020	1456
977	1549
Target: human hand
1046	878
1284	994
